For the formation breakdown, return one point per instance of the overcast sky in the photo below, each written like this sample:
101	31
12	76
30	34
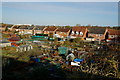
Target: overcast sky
61	13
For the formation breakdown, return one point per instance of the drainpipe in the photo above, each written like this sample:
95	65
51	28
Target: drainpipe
99	38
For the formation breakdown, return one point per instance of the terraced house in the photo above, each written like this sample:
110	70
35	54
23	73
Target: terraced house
39	30
3	27
113	35
14	28
26	29
78	32
97	33
50	30
62	32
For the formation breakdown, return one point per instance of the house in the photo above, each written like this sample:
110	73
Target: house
26	29
50	30
113	35
22	28
39	30
29	29
97	33
14	28
9	26
62	32
3	27
78	32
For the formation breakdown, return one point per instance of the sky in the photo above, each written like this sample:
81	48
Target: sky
61	13
60	0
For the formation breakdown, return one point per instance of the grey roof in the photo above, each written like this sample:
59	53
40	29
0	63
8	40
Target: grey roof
9	26
26	27
96	30
30	27
39	27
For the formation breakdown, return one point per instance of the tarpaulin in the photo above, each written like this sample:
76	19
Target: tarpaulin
78	60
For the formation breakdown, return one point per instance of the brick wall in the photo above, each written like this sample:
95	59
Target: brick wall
97	36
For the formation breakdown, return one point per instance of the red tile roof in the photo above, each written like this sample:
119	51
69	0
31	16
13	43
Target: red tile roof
4	25
78	29
63	29
113	32
16	26
82	29
50	29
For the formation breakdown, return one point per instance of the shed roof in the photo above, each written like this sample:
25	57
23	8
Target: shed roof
14	39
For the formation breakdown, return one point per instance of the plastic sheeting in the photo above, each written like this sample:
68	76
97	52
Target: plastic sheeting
78	60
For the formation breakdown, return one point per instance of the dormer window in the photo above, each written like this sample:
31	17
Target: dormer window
81	33
72	32
77	32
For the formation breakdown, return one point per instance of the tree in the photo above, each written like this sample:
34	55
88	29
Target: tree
78	25
77	40
67	26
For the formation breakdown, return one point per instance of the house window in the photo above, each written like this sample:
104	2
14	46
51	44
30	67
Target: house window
100	35
72	32
97	39
111	36
81	33
77	32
